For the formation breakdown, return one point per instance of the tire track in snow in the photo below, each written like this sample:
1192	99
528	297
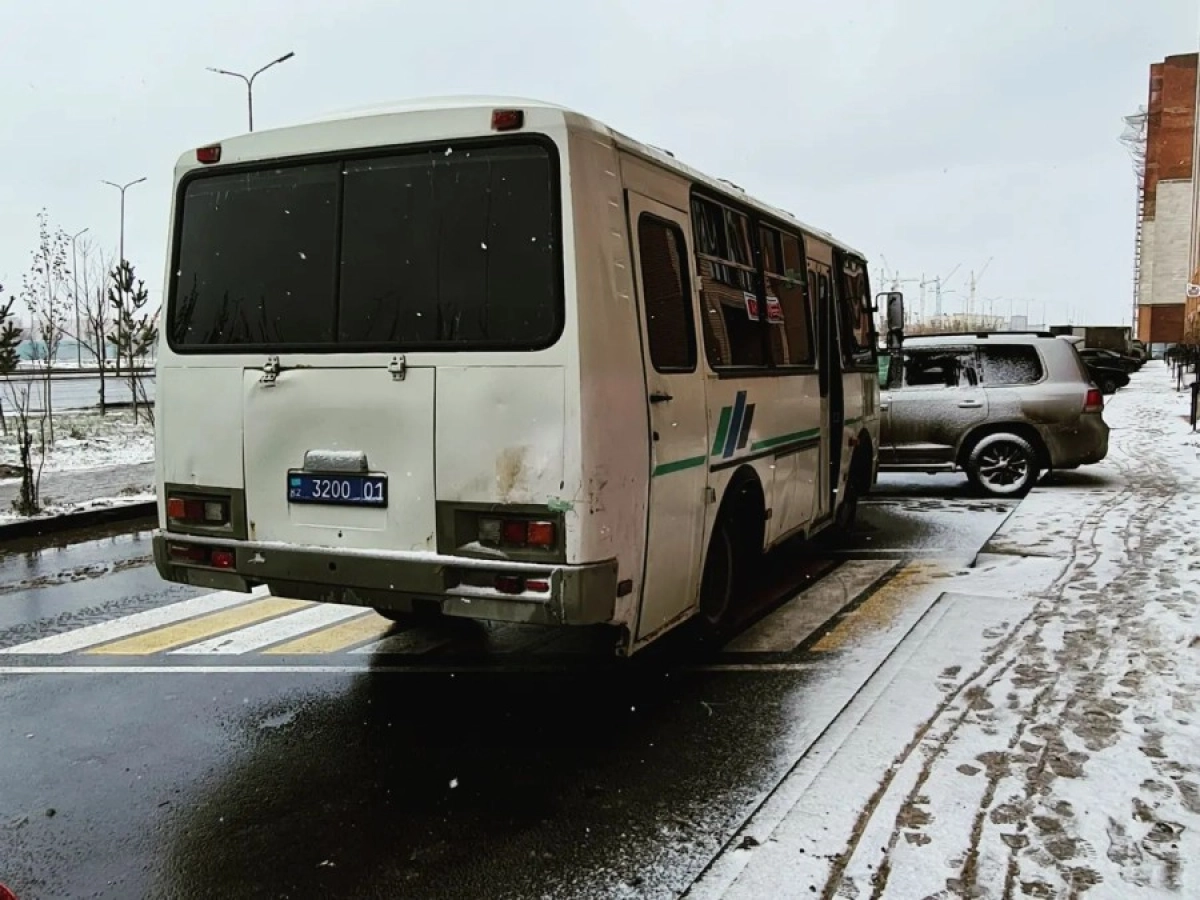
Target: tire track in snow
1025	629
1088	686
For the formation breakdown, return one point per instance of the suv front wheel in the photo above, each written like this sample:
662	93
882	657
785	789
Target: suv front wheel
1003	465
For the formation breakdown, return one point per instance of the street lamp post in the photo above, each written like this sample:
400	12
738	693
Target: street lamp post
250	81
122	188
75	277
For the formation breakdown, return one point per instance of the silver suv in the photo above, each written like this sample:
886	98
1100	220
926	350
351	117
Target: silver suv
1002	406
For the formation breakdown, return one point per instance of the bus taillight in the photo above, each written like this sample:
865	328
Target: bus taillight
518	533
507	119
197	510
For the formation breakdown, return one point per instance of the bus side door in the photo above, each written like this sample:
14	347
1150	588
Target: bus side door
676	411
829	358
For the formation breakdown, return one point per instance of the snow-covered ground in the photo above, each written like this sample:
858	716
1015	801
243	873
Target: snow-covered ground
1042	739
88	440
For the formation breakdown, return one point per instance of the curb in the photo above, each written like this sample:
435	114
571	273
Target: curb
128	512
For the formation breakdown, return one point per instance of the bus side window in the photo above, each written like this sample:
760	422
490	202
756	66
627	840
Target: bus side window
788	315
666	297
857	325
728	290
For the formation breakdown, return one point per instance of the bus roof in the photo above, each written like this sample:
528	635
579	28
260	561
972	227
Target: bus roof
575	120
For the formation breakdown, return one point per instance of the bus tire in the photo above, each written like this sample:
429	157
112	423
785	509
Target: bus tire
730	563
717	580
858	483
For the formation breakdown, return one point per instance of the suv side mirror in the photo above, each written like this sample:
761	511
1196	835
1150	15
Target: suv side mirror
893	302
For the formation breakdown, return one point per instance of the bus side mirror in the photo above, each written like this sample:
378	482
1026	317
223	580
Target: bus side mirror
893	302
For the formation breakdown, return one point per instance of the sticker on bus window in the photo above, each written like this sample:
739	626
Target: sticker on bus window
751	306
774	310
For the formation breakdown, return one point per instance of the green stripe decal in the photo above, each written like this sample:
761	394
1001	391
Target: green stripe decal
794	437
679	465
855	420
722	430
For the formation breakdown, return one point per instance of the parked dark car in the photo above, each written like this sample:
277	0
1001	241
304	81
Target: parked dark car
1108	378
1109	359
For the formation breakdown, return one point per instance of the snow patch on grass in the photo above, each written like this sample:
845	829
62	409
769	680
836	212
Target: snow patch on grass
88	440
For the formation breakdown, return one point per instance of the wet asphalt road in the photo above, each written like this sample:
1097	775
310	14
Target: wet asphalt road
583	778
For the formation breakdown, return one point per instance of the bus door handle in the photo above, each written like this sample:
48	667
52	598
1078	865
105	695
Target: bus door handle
660	397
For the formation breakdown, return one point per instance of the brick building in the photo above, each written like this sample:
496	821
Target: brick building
1164	251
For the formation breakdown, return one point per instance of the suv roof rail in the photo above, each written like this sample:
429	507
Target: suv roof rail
978	334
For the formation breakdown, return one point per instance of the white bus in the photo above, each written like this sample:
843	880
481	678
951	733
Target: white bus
491	358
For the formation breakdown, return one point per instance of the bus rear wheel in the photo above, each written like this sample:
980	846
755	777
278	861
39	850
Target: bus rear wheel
716	583
858	483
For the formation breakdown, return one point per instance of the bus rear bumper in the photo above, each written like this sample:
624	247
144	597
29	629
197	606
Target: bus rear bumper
495	590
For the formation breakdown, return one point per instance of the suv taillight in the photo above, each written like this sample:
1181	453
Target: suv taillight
1094	402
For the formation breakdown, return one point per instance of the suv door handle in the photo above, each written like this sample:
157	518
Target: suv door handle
660	397
971	404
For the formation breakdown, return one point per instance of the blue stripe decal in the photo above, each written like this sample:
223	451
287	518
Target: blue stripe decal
746	423
735	426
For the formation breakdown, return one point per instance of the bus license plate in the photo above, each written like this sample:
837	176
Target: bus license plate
338	490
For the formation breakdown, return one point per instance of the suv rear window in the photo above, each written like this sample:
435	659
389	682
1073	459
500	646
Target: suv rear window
441	248
1013	364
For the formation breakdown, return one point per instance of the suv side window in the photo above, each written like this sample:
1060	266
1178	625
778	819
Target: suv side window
941	367
1013	364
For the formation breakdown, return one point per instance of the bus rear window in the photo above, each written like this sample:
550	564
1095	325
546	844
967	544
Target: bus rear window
442	249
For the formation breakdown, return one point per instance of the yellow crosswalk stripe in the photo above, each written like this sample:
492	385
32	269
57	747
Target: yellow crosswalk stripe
368	627
202	627
881	608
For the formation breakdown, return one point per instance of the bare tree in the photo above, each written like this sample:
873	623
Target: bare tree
97	311
20	393
136	331
46	290
10	350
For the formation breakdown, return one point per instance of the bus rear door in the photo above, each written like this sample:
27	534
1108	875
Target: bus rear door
676	412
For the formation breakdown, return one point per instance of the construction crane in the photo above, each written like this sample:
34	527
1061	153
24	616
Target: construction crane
939	288
973	284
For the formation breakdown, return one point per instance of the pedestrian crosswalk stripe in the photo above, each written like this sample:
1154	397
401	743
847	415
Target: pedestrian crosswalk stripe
273	631
192	630
268	628
90	635
367	627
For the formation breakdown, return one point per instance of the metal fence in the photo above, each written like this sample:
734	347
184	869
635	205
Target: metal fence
1184	360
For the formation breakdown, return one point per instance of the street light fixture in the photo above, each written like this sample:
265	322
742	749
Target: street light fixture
250	81
75	277
122	188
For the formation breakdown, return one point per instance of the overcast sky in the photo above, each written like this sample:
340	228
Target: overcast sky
928	133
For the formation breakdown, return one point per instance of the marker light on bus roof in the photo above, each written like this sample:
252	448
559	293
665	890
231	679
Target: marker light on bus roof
507	119
209	154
